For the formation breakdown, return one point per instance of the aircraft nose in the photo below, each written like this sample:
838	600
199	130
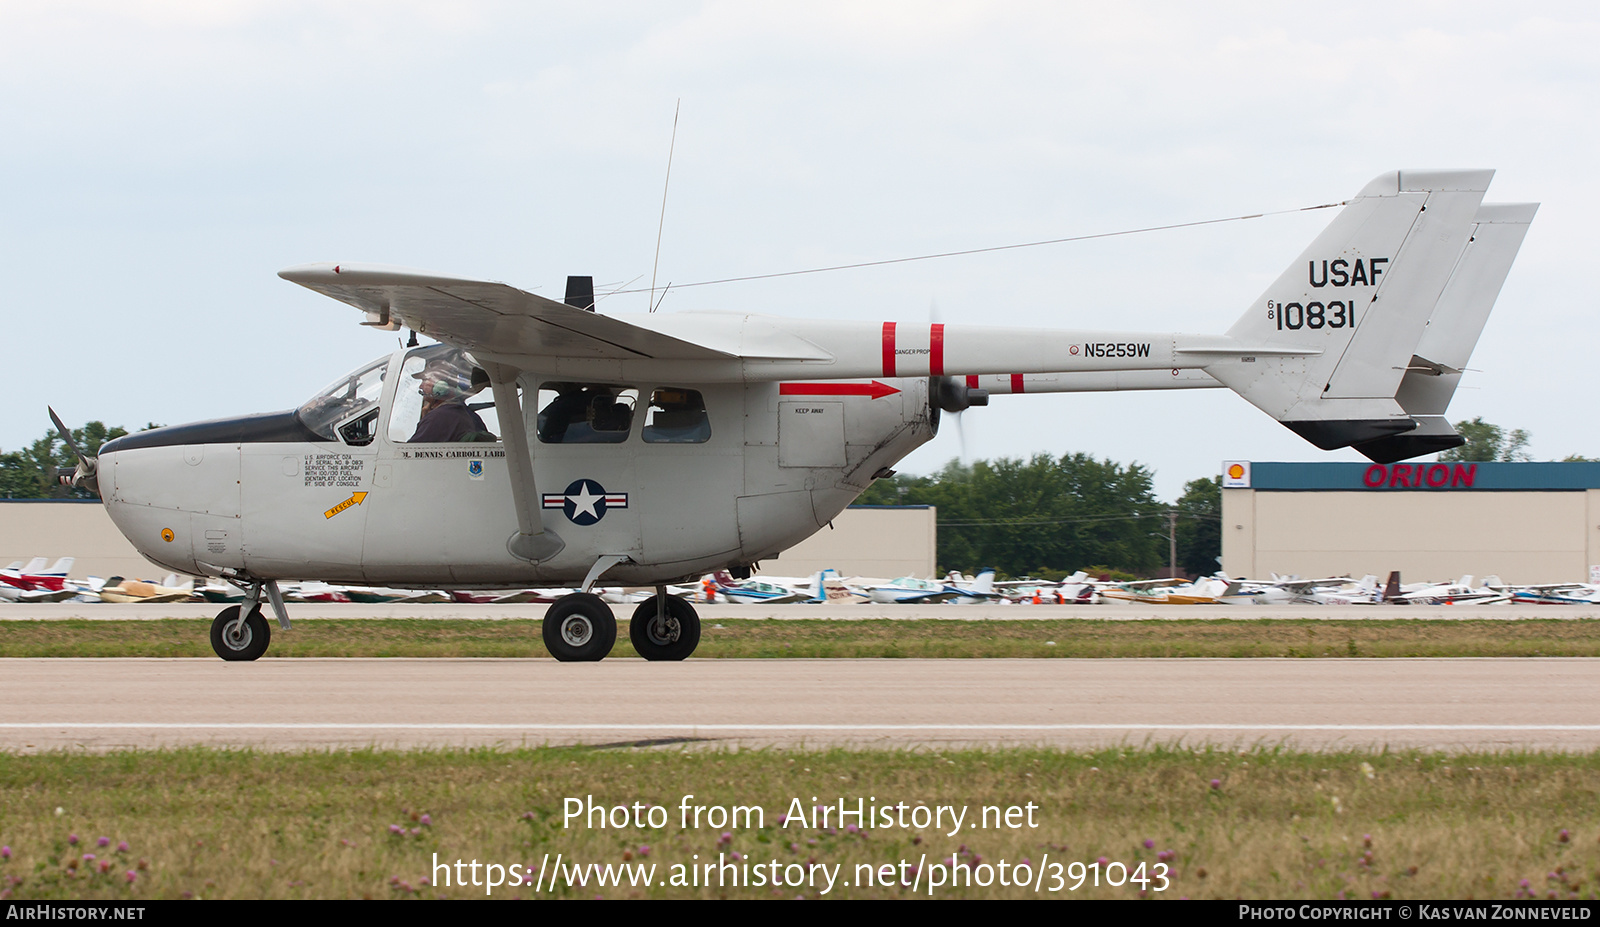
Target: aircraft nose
177	504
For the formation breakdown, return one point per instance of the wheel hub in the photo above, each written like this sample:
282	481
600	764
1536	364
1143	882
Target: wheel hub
238	636
665	631
577	630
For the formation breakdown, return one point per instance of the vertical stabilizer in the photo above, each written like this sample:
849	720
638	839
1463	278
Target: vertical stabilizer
1435	369
1361	296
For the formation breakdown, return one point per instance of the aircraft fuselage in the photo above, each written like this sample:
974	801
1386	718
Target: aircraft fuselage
267	497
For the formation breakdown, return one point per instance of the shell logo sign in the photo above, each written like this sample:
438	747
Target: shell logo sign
1236	474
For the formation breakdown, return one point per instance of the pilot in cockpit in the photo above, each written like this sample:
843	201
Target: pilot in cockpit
445	415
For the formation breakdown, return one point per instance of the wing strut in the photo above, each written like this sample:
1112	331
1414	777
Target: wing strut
531	542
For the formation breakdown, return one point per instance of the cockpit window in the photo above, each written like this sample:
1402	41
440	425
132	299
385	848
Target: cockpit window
343	398
585	413
435	400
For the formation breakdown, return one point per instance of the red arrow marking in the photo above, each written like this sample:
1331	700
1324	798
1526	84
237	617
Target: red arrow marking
874	389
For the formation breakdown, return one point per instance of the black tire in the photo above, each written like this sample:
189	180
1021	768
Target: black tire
579	628
252	642
676	642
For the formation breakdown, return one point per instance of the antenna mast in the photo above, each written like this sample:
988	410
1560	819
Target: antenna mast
663	221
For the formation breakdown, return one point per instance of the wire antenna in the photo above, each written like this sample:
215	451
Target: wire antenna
671	147
947	254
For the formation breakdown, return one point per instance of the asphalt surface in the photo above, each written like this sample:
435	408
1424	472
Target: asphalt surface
1458	704
102	704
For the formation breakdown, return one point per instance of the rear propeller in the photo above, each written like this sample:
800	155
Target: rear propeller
86	476
952	395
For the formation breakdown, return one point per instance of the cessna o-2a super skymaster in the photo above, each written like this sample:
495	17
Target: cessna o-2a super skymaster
654	448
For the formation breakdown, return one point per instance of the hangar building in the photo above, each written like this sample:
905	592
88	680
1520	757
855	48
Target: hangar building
1525	522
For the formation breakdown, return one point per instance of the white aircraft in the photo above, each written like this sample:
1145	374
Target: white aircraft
910	590
1460	591
775	590
954	588
1559	594
652	449
33	575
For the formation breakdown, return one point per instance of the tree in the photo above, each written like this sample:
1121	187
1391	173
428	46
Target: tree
1488	442
1042	514
31	473
1200	526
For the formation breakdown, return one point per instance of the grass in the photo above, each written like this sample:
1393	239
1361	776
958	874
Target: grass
741	638
212	823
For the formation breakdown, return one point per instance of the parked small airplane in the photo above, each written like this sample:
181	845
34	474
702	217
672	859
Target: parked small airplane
653	449
33	576
954	588
1559	594
117	589
909	590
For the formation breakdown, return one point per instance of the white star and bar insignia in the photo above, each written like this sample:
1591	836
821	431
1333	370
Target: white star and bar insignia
585	501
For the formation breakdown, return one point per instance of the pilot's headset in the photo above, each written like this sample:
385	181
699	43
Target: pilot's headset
447	382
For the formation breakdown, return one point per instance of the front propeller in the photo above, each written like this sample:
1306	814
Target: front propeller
86	476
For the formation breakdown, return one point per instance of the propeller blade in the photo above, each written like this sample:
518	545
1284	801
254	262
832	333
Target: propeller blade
66	434
85	475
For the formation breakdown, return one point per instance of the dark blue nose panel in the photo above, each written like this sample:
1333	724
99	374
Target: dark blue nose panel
268	427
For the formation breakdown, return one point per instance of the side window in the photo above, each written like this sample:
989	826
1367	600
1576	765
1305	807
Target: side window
358	432
676	416
585	413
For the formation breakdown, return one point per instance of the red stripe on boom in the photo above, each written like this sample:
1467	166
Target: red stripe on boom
888	349
972	381
936	349
1016	382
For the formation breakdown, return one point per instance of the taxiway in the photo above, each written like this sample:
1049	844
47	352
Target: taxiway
1458	704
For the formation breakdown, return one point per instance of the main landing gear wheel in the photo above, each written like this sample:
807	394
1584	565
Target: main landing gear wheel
579	628
247	642
674	638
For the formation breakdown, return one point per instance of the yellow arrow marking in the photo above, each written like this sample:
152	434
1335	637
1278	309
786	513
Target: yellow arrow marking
355	499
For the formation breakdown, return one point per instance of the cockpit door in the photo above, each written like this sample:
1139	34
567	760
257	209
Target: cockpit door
441	509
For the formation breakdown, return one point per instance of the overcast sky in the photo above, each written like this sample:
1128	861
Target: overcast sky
163	160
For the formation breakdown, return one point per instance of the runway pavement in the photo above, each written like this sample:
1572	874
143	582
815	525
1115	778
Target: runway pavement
1494	704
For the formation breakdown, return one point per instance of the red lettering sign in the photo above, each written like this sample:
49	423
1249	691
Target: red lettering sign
1416	476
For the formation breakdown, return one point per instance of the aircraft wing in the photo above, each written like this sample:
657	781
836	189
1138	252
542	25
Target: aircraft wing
488	318
912	598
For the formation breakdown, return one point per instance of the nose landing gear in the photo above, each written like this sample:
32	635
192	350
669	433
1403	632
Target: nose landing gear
233	639
240	632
